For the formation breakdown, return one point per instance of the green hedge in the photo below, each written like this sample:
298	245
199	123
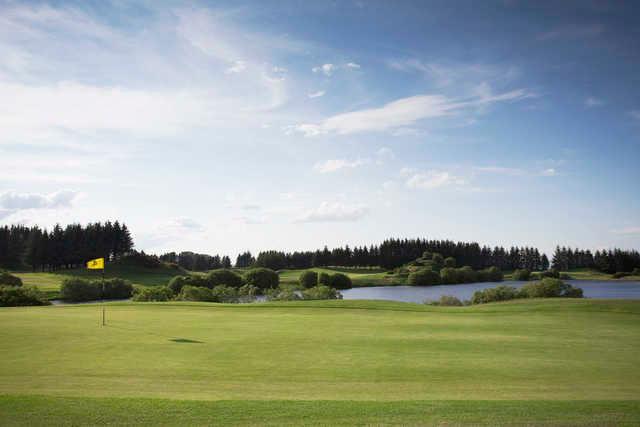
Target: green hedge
15	296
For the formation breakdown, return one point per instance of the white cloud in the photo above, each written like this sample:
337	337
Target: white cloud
385	153
337	164
334	212
14	201
591	102
627	230
353	65
432	179
237	67
326	69
316	94
549	172
404	112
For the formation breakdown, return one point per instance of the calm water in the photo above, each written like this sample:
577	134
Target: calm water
591	288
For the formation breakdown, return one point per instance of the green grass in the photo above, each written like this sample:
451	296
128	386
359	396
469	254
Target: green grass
551	362
49	283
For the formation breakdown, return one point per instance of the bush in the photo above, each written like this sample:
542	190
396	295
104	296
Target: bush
283	293
176	283
450	262
550	288
223	277
636	271
555	274
222	293
247	293
14	296
324	279
492	274
340	281
565	276
446	300
154	293
308	279
437	260
115	288
467	275
195	293
499	293
424	277
449	276
262	278
8	279
321	292
536	275
76	289
522	275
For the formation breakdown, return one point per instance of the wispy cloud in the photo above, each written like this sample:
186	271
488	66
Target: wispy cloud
317	94
12	202
430	180
405	112
326	69
501	170
592	102
335	165
627	231
237	67
334	212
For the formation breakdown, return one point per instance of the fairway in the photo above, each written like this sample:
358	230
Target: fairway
533	351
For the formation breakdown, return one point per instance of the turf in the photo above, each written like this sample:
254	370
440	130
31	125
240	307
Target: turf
338	361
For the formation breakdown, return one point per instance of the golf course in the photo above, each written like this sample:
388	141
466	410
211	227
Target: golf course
533	362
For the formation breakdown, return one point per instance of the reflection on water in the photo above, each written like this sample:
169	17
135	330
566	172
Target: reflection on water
591	288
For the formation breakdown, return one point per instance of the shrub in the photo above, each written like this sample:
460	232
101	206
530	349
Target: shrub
549	288
223	277
340	281
449	276
438	261
450	262
222	293
14	296
195	293
448	300
308	279
324	279
9	279
555	274
262	278
499	293
115	288
321	292
636	271
153	293
424	277
76	289
522	274
176	283
565	276
467	275
492	274
283	293
247	293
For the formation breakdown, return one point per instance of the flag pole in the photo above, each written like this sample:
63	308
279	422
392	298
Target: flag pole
102	295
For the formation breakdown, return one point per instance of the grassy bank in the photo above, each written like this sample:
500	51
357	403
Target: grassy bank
539	353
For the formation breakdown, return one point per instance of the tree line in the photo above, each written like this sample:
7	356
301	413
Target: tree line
608	261
197	262
393	253
69	247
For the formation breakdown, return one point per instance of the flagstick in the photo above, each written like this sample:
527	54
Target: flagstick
102	296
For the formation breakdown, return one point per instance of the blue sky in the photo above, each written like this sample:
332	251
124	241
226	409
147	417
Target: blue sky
225	126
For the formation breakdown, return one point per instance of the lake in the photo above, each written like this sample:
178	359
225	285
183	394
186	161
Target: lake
591	288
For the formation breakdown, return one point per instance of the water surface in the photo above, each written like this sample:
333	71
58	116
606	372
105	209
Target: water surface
591	288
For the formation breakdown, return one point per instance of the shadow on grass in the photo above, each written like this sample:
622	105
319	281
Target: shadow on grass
186	341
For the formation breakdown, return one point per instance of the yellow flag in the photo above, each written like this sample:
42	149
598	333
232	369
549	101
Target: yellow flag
96	264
